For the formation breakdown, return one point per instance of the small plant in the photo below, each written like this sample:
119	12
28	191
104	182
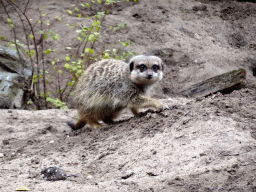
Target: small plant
64	72
57	102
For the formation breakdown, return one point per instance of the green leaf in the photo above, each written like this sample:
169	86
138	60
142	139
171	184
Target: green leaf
99	1
64	107
53	62
90	37
39	21
9	20
79	15
57	36
79	38
70	12
67	58
48	51
42	32
43	15
47	22
91	51
82	5
59	18
88	5
79	71
87	50
77	9
68	47
79	62
49	99
70	84
2	37
60	72
31	36
67	66
51	32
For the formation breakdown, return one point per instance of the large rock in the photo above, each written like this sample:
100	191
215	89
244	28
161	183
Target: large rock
15	78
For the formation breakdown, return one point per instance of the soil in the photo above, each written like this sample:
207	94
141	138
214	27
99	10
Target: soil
200	144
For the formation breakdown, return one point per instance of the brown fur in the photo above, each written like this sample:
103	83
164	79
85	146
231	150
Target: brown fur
109	86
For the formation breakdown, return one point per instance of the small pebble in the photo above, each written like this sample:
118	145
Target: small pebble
53	174
127	174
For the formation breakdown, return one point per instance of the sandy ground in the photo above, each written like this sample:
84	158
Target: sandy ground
204	144
201	144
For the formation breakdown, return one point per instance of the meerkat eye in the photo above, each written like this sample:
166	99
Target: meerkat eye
142	67
155	67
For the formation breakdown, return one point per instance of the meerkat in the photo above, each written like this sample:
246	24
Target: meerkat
109	86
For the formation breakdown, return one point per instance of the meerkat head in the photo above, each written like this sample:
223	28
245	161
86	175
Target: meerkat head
146	70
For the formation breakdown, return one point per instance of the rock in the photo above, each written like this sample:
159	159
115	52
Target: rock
53	174
127	174
15	78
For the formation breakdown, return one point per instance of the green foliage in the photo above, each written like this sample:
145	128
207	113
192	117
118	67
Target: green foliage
29	102
57	102
119	26
66	71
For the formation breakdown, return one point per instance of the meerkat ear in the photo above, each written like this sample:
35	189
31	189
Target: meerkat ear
131	66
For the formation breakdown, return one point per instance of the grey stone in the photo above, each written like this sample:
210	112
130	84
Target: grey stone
15	78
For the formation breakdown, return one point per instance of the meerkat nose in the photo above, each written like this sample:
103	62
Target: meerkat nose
149	76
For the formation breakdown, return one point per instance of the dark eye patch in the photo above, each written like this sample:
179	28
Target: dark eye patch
155	68
142	67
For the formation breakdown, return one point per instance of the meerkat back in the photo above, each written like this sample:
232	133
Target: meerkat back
101	84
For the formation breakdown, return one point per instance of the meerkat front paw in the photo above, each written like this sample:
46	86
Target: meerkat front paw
163	107
166	107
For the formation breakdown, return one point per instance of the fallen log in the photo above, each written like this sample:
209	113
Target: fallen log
215	84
